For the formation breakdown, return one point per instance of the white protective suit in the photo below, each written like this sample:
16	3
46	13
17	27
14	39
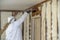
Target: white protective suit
13	32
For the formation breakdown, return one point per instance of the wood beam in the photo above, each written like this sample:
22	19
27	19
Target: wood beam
49	17
11	10
54	19
43	21
26	28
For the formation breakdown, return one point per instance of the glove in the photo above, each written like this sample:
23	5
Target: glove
28	11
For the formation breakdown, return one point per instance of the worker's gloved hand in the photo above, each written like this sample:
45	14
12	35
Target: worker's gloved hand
28	11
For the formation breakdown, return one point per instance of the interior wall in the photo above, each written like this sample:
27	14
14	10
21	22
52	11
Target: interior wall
4	17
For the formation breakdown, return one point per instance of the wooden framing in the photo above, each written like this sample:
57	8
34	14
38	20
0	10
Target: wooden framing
0	24
54	19
0	20
26	29
11	10
48	17
43	21
58	20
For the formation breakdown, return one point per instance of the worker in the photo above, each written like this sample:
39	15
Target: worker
13	32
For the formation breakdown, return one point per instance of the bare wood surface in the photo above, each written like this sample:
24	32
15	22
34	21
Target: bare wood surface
5	27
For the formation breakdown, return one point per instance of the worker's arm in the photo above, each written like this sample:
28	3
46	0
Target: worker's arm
21	19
